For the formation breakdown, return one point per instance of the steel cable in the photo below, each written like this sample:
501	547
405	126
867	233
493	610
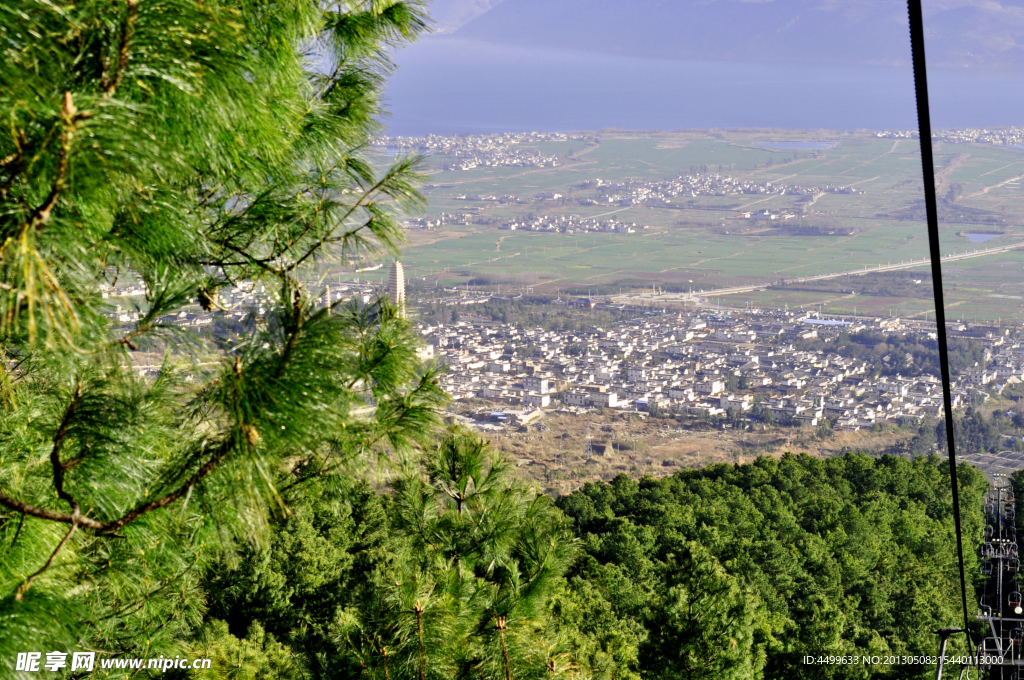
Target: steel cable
928	168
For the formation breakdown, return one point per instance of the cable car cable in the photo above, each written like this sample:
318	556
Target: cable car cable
928	168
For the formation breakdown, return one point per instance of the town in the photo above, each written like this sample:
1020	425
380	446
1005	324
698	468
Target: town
669	193
691	186
701	361
472	151
1010	136
569	224
709	363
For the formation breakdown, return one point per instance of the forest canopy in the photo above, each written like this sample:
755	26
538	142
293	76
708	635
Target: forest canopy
726	572
738	571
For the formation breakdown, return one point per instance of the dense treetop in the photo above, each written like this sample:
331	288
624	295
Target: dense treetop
777	559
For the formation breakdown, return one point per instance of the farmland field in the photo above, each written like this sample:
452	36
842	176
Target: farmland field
701	243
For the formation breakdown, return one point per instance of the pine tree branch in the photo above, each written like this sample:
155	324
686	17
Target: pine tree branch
362	202
232	217
148	323
39	215
332	239
58	443
127	610
17	164
14	164
107	527
368	371
53	516
69	114
329	83
277	251
216	457
262	263
395	420
377	186
20	592
110	85
17	532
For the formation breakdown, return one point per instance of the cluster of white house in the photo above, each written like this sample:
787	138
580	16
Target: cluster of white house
570	224
495	150
516	158
1008	136
703	364
637	192
1012	136
438	220
500	199
230	304
766	215
898	134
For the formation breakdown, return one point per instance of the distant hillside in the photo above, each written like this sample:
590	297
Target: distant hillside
449	15
960	32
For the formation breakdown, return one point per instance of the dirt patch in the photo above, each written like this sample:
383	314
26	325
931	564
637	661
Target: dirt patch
555	454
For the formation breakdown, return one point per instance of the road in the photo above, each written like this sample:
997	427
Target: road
643	298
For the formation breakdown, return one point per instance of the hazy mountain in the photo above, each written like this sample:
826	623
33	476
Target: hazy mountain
977	34
449	15
959	32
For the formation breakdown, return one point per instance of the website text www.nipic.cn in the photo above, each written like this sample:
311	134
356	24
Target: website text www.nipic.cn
33	662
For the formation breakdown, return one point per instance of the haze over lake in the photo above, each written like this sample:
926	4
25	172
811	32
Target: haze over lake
454	86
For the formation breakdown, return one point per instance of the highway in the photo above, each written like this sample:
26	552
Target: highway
647	298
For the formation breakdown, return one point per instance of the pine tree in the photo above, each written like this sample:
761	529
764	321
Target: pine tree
708	624
194	147
473	594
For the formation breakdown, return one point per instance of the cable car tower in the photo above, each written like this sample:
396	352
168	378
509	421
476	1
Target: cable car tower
1002	608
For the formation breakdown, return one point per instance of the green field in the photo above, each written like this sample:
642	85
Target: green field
700	243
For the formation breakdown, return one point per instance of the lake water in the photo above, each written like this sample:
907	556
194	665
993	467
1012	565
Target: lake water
450	86
980	238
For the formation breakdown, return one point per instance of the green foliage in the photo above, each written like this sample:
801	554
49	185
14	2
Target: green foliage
257	655
457	573
715	618
484	557
738	571
974	433
907	356
188	146
315	569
